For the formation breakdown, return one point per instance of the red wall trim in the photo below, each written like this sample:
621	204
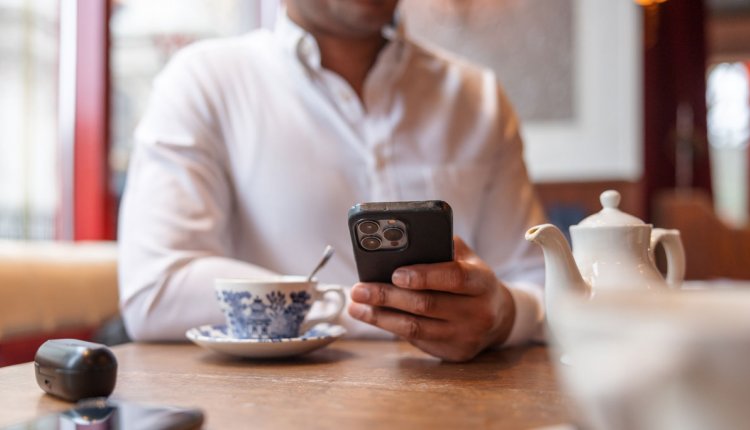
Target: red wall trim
23	349
93	201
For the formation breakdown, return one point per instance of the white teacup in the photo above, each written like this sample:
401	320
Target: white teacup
672	360
273	307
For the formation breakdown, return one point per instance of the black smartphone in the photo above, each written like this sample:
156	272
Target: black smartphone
389	235
103	414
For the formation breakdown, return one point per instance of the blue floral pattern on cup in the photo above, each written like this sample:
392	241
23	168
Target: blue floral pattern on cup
220	333
272	318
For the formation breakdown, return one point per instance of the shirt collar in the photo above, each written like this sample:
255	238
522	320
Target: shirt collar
298	42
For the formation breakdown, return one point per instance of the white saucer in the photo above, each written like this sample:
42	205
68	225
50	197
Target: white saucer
215	338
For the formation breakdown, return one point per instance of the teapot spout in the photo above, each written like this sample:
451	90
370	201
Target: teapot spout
561	273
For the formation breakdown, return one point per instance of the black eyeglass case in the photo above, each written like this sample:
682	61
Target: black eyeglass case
73	369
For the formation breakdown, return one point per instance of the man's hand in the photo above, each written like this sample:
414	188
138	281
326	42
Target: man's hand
451	310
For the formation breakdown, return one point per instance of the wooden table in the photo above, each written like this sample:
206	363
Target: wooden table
350	384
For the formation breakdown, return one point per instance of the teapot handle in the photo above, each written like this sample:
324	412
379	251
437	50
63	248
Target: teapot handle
672	243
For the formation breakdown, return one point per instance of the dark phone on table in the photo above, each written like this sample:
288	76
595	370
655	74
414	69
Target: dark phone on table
388	235
102	414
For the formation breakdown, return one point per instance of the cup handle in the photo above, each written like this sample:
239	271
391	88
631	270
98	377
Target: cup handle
675	252
322	290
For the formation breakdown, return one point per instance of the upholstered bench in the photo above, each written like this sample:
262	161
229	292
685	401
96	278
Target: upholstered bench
53	290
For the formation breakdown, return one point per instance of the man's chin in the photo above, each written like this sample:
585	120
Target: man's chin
366	16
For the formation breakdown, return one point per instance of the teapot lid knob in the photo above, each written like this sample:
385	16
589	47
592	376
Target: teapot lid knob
610	215
610	199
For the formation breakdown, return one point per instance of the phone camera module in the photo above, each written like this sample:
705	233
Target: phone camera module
393	234
370	243
369	227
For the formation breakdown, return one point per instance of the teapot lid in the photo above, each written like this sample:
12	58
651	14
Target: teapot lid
610	215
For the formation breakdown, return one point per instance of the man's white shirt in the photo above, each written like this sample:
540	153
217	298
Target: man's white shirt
251	153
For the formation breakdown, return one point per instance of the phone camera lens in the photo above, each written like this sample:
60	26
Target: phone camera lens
369	227
370	243
393	234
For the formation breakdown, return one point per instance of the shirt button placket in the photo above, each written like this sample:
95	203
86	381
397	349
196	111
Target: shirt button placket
378	145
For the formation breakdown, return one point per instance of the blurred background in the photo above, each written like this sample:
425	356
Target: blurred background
650	97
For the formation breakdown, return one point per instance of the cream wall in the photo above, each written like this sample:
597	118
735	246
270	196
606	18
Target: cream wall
602	139
605	141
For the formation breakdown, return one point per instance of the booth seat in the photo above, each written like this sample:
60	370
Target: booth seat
54	290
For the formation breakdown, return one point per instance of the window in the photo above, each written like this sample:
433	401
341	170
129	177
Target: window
29	190
728	99
46	118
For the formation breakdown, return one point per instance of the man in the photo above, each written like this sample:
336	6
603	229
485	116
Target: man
253	149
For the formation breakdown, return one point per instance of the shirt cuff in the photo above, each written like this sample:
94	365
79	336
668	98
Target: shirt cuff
529	320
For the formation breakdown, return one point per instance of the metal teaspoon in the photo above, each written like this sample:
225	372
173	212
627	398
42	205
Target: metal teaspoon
327	253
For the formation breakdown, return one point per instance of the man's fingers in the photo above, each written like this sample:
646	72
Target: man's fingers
432	304
407	326
461	250
453	277
457	277
433	336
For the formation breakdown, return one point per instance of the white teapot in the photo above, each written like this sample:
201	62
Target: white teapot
612	250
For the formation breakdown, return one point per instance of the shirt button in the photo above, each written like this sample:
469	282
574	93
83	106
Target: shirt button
379	163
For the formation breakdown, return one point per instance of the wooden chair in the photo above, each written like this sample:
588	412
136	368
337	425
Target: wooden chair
713	249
